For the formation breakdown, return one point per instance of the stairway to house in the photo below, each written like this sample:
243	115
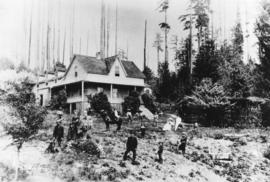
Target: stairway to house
148	114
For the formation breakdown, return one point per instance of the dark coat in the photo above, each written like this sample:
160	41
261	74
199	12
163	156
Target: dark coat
58	132
132	143
160	149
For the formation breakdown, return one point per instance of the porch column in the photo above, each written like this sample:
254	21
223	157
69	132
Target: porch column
70	108
111	94
135	88
46	102
82	95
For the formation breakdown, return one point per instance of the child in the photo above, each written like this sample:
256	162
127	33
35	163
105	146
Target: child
160	152
183	143
143	131
51	148
129	115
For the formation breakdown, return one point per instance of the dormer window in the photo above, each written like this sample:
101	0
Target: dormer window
76	73
117	73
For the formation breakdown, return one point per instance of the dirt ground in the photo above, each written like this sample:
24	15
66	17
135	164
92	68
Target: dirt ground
213	155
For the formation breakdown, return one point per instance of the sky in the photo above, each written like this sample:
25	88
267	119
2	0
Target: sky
15	18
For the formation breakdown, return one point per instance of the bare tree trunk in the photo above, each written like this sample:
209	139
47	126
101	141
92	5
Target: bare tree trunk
108	30
190	51
72	30
30	39
87	44
17	167
64	48
116	27
18	162
166	34
144	50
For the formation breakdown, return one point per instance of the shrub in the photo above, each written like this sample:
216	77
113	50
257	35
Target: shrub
266	114
209	100
218	136
266	154
132	102
100	102
59	100
148	102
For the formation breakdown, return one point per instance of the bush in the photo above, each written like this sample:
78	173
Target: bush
265	108
59	100
132	102
266	154
218	136
209	103
100	102
148	102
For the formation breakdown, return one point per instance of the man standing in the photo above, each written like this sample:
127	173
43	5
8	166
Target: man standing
58	132
183	143
160	152
131	145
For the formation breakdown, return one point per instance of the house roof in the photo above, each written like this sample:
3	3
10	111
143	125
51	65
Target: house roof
92	65
97	66
132	70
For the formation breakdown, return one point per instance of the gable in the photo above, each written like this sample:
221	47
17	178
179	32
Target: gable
117	67
75	71
92	65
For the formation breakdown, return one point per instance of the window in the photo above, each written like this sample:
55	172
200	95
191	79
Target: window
37	85
76	73
115	93
117	73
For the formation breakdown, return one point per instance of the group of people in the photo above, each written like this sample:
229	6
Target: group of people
132	143
78	128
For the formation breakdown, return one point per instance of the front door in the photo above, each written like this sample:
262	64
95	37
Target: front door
41	100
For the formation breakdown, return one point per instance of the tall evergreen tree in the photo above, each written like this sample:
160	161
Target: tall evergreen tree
262	31
238	38
182	67
163	88
149	76
207	62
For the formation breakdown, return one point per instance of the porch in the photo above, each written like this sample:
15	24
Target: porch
78	92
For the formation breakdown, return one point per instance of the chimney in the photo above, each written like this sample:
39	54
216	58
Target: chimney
98	56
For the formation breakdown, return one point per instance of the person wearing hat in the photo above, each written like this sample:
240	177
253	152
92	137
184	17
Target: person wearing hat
160	152
183	143
131	146
58	132
129	115
60	115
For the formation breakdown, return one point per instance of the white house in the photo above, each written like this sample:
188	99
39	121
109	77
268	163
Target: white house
88	75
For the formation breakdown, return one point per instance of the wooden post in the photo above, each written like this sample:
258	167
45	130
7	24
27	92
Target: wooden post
70	108
82	95
111	93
